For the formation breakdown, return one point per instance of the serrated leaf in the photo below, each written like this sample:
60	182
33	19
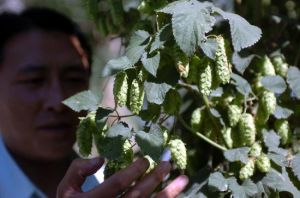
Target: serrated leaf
243	34
118	130
241	63
282	113
293	78
151	64
242	84
275	84
151	143
136	47
190	21
85	100
238	154
156	93
248	188
209	47
280	182
296	165
218	181
115	65
271	139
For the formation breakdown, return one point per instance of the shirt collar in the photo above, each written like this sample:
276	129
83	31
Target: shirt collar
14	183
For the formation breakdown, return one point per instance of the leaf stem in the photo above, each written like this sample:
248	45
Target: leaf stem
203	137
121	116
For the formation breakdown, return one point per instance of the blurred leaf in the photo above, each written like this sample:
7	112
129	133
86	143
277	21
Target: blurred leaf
115	65
218	181
156	93
238	154
275	84
282	113
293	78
118	130
85	100
241	63
151	143
296	165
151	64
242	84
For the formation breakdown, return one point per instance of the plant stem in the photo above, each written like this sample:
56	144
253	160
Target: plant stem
121	116
203	137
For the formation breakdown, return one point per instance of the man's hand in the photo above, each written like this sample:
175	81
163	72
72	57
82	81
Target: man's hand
121	182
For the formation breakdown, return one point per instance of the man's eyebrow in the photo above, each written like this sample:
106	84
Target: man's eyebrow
33	69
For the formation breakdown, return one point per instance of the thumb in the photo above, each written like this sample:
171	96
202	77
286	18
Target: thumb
76	174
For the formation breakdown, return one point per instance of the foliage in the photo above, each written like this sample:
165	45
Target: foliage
231	110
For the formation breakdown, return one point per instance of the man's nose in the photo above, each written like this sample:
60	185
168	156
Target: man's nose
54	96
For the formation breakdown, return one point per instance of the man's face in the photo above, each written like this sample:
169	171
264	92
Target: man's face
39	70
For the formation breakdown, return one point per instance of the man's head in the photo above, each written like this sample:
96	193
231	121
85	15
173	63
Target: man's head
43	60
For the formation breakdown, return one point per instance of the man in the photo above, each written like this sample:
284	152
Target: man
44	60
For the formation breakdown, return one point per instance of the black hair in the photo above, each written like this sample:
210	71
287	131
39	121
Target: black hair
45	19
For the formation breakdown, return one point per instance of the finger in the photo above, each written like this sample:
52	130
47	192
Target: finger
148	184
121	180
76	174
174	188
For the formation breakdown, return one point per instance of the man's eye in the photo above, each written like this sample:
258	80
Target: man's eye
33	81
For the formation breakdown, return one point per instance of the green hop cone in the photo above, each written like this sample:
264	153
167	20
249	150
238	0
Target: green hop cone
178	153
283	129
234	113
255	150
152	163
247	170
268	102
263	163
281	67
223	67
247	129
197	119
226	133
206	77
266	67
84	133
120	89
136	97
172	102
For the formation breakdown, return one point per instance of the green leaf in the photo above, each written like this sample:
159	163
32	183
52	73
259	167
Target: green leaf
282	113
151	143
209	47
238	154
111	148
275	84
296	165
280	182
293	78
248	188
243	34
242	84
272	141
191	20
102	113
160	38
136	47
241	63
151	64
115	65
278	159
156	93
218	181
85	100
118	130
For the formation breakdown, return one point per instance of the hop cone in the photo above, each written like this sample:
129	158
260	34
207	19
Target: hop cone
223	67
263	163
206	78
120	89
136	97
247	170
234	113
283	129
266	67
178	153
268	102
255	150
247	129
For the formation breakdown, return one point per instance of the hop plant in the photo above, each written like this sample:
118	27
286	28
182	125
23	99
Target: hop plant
255	150
197	119
247	129
206	77
263	163
283	129
226	133
266	67
178	153
136	97
84	133
247	170
281	67
172	102
268	102
223	66
234	113
120	89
